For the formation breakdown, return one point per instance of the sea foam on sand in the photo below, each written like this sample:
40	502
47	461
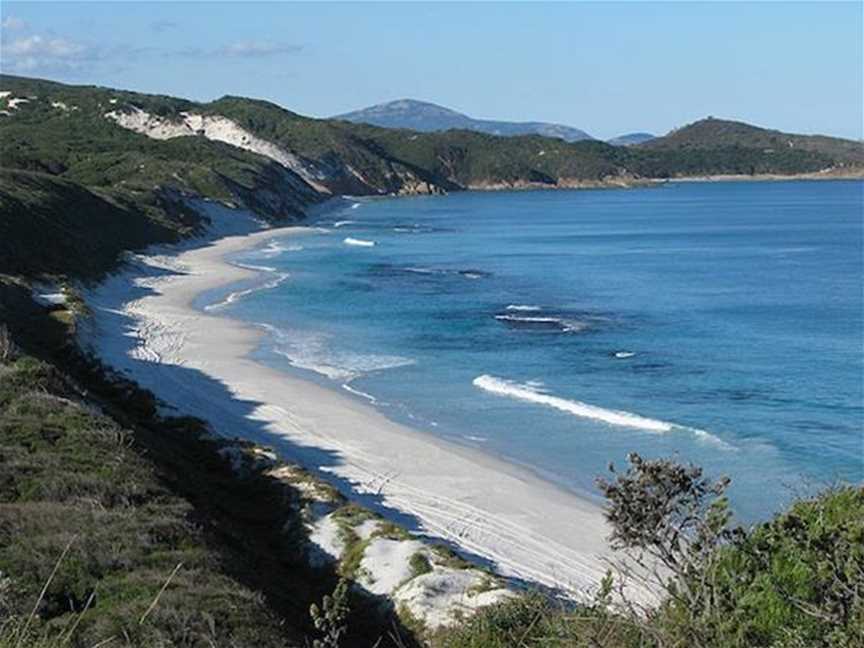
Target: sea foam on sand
198	363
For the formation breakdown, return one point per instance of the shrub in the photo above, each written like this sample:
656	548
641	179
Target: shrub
419	564
330	618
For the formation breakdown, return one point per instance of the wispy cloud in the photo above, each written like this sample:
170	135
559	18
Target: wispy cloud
30	53
241	49
11	23
160	26
255	49
41	53
26	51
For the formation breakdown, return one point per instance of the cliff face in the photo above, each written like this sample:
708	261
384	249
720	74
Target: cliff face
332	174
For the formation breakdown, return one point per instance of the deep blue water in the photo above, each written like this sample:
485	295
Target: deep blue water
561	330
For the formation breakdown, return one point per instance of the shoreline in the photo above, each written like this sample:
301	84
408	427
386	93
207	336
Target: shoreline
852	174
144	323
636	183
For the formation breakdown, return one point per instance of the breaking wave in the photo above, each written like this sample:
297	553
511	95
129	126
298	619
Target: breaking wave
529	394
240	294
274	249
359	393
359	242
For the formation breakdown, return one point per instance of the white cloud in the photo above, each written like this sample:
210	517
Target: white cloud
35	52
254	49
240	49
46	47
11	23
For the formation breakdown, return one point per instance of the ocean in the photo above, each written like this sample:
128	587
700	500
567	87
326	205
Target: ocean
718	323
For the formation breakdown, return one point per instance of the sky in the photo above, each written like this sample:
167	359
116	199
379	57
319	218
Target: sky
606	67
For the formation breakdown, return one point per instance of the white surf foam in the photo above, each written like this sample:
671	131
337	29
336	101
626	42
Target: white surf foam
359	242
523	307
528	393
274	249
240	294
357	392
260	268
568	325
343	223
313	352
623	355
538	319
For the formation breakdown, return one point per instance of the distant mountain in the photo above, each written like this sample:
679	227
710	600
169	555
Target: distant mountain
428	117
630	139
716	134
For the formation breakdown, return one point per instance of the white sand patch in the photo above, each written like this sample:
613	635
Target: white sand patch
325	543
386	564
440	597
367	529
218	128
12	103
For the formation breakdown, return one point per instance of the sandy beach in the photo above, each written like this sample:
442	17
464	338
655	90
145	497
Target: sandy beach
144	324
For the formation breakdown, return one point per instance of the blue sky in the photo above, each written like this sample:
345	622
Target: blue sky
606	67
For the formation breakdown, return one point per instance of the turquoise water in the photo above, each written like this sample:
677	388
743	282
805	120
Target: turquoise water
721	323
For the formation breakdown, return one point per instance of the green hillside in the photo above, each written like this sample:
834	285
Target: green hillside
712	133
120	189
80	144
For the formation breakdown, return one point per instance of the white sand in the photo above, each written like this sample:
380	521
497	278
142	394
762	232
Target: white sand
144	325
386	564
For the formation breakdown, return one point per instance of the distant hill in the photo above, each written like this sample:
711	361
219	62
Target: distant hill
630	139
712	133
429	117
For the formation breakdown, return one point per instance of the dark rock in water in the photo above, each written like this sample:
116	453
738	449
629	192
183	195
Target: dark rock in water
541	322
390	270
474	274
357	286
